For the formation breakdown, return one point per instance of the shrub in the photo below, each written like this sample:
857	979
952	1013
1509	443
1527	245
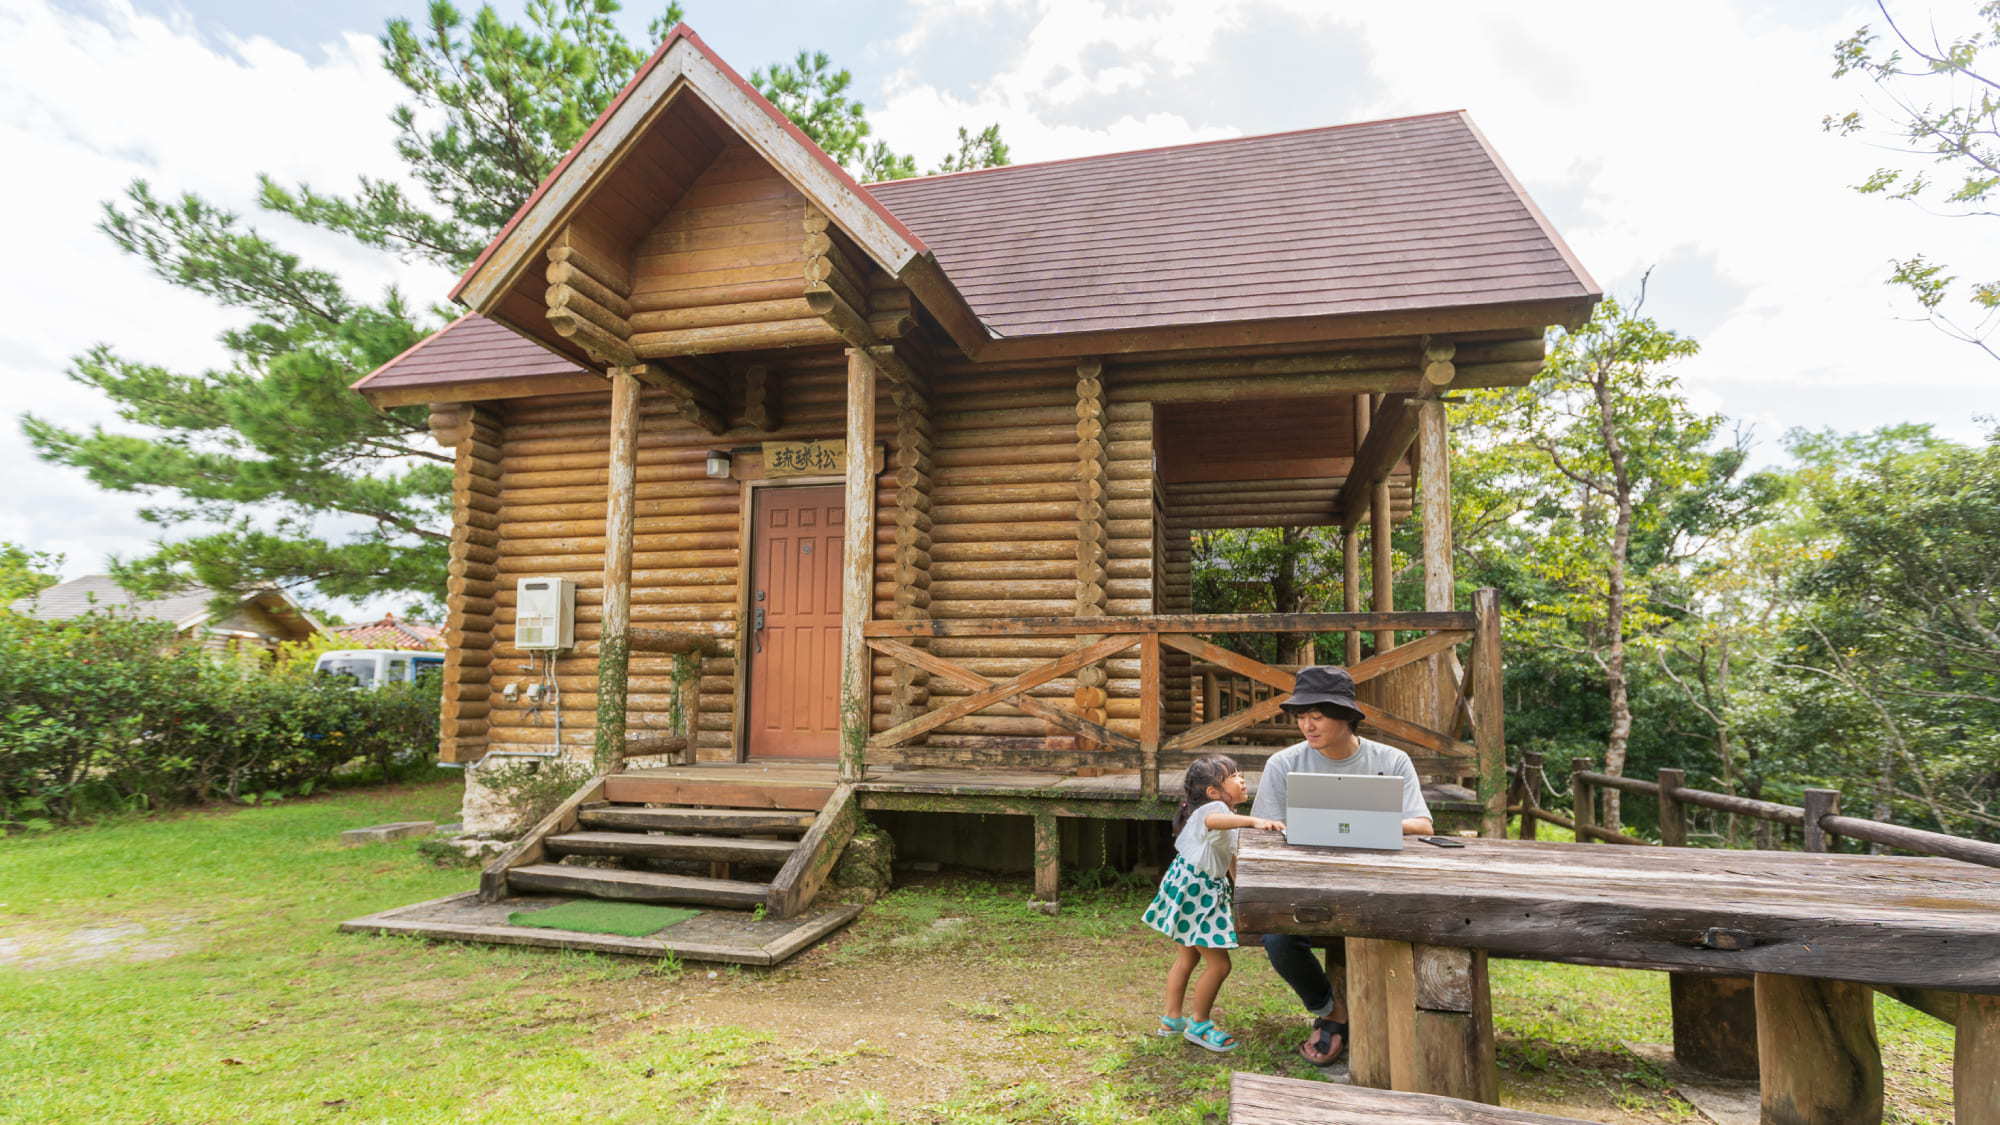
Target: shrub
105	713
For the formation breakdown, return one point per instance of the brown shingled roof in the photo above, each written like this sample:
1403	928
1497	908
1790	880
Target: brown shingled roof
1414	213
472	349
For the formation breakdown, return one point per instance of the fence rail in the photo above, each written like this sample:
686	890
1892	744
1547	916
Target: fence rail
1097	639
1819	817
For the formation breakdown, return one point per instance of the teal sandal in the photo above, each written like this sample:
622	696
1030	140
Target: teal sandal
1172	1026
1204	1033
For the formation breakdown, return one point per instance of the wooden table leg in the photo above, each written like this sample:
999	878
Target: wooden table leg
1454	1024
1715	1024
1818	1059
1435	1016
1369	965
1975	1068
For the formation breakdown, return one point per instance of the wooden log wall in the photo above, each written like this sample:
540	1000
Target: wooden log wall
725	270
477	434
546	517
1004	540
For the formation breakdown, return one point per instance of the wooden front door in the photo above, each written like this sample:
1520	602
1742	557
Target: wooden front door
795	547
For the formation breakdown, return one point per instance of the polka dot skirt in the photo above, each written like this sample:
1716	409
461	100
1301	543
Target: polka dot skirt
1194	907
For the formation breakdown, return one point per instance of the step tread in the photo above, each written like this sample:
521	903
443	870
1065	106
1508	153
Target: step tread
695	846
638	886
714	821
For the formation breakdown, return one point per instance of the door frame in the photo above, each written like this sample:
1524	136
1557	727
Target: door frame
745	562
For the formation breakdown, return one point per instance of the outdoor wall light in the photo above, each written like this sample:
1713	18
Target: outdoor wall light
718	463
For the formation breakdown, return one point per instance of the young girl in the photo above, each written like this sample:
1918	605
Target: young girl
1195	904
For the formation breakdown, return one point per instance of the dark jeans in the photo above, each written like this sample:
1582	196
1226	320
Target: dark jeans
1299	964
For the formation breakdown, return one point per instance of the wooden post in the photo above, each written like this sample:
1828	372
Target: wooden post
1434	498
1975	1068
1531	787
1819	803
1350	586
1439	1020
1715	1024
614	654
1048	860
1673	814
1211	697
1350	544
1381	533
1818	1061
1488	713
1370	963
1583	806
1152	717
687	681
857	587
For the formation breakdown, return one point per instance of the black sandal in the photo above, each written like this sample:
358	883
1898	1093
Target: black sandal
1318	1047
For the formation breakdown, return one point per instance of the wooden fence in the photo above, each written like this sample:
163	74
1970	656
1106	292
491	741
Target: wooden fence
1818	819
1095	639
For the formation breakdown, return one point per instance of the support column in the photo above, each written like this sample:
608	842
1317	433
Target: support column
1350	544
1489	716
614	652
857	584
1434	498
1818	1059
1431	1013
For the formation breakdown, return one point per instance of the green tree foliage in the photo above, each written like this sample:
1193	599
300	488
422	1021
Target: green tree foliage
1942	103
24	572
1266	570
1587	497
300	481
493	107
817	98
108	713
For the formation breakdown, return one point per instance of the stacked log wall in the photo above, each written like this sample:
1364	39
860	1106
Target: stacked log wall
687	565
1005	534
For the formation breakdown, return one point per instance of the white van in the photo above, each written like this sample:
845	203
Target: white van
373	667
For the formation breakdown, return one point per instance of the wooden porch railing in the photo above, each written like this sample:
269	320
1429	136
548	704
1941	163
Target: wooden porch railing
1100	638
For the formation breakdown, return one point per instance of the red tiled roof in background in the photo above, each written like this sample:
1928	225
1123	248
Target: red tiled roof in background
391	632
1414	213
469	348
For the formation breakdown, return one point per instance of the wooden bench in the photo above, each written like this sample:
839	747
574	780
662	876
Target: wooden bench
1262	1099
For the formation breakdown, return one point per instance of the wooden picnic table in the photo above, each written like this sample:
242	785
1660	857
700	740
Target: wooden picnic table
1818	932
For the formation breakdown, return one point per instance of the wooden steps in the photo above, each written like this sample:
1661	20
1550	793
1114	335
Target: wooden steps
726	849
799	829
633	818
635	886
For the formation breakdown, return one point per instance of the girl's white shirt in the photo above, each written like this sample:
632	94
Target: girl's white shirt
1210	851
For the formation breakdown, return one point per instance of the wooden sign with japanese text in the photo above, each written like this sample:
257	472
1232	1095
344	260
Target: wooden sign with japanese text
804	458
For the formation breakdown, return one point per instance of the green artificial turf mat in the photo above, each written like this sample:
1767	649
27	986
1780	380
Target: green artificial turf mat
592	916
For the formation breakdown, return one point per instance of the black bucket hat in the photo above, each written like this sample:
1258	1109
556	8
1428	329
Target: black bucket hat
1323	686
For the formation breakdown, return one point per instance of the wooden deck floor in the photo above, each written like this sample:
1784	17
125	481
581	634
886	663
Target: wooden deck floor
944	782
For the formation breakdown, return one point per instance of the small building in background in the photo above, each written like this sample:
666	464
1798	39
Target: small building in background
392	632
259	621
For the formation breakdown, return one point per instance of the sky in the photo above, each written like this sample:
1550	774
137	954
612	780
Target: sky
1681	140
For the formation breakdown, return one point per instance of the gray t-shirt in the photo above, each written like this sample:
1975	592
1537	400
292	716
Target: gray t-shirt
1371	758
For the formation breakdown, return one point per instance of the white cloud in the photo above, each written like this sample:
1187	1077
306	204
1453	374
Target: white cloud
89	102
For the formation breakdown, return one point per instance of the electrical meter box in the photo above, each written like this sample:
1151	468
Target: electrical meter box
545	614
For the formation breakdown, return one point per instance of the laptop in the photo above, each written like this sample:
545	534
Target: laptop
1344	810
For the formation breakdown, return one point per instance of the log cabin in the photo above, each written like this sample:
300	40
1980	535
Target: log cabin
878	499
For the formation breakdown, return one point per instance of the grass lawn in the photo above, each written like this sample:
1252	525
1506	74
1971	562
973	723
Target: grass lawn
186	969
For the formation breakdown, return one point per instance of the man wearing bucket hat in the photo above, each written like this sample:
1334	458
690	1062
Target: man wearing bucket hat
1322	703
